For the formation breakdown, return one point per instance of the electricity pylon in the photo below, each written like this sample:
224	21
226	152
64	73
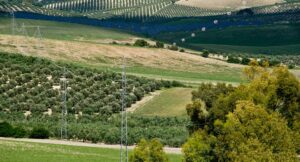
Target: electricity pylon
124	130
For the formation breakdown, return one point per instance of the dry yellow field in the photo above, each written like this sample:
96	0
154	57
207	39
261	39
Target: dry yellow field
111	55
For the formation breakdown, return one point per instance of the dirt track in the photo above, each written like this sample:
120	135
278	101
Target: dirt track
169	150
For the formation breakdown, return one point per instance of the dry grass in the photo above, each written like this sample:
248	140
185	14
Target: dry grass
111	55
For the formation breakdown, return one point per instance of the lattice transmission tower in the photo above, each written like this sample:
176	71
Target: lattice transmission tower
64	110
124	129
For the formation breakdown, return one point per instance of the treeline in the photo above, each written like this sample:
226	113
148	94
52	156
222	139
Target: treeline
259	121
7	130
274	60
158	44
169	131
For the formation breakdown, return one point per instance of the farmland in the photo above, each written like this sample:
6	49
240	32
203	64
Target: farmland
169	102
96	50
216	80
32	89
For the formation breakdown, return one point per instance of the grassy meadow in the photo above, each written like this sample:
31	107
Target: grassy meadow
13	151
169	102
62	31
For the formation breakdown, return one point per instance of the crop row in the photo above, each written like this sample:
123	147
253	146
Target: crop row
278	8
36	86
8	7
96	5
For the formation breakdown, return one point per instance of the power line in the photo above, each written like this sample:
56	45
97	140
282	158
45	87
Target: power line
124	128
64	110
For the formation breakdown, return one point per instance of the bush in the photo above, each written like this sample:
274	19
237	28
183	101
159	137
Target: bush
114	42
233	60
173	48
291	66
141	43
39	133
160	45
245	61
181	50
6	130
19	132
205	54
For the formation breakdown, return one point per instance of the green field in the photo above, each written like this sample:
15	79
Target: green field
190	78
12	151
170	102
62	31
265	39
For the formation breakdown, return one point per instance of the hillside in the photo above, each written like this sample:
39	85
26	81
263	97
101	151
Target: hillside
90	100
231	4
218	30
90	49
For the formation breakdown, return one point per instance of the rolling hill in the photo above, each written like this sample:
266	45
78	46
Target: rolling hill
226	30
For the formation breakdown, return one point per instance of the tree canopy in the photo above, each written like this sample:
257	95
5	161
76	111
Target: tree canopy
257	121
149	151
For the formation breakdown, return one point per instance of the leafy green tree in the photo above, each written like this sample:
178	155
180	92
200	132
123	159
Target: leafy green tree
199	147
6	130
205	53
198	114
149	151
245	61
141	43
209	92
39	133
234	60
250	128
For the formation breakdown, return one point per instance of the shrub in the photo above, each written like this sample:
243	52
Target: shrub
233	60
6	130
19	132
205	53
245	61
160	45
140	43
291	66
39	133
114	42
173	48
181	50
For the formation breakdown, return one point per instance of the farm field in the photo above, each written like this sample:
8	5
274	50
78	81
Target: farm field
96	50
64	31
12	151
262	39
170	102
226	4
